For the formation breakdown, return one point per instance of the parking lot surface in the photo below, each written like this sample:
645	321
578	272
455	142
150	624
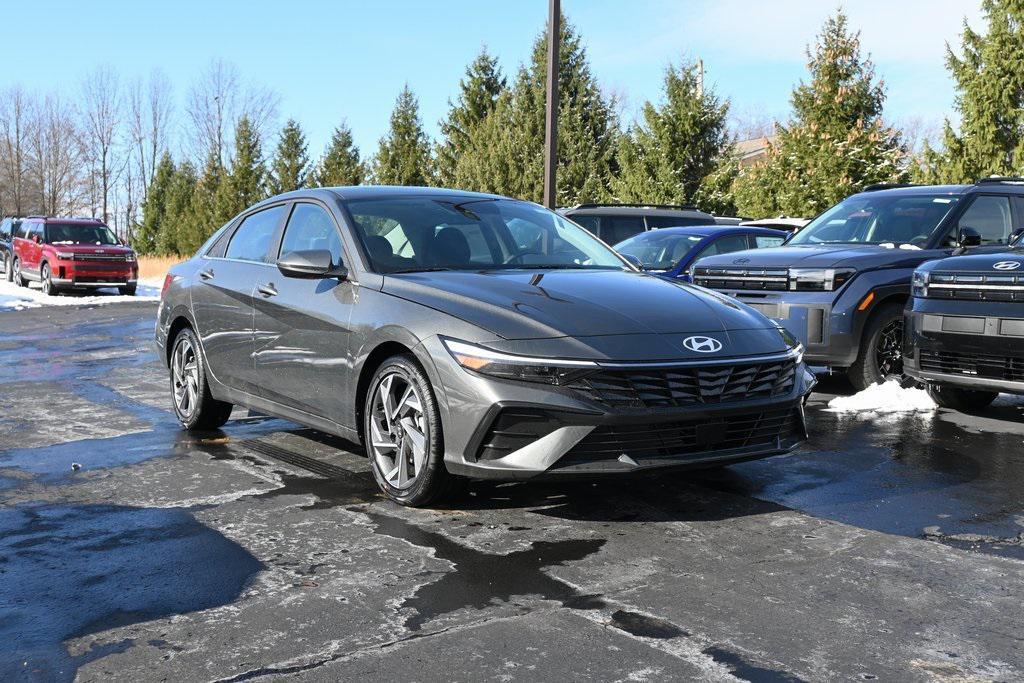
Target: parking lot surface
889	548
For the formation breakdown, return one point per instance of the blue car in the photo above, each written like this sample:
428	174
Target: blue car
670	252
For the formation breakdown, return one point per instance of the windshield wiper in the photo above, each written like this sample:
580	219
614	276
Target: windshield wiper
429	269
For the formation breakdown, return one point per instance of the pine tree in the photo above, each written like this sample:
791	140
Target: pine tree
478	93
340	164
245	184
666	156
154	208
172	237
202	220
289	169
836	142
404	154
509	149
990	101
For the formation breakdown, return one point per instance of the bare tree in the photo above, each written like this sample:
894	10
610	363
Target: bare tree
16	122
101	109
150	110
57	168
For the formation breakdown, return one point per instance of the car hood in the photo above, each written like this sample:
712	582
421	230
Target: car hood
984	263
525	304
860	257
93	248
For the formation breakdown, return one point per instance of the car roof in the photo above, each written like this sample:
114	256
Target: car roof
909	190
715	230
391	191
68	219
612	210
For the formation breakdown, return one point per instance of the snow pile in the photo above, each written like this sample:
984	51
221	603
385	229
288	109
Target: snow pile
883	399
14	298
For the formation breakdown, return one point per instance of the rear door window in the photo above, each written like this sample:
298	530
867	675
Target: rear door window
252	239
615	229
764	241
674	222
726	245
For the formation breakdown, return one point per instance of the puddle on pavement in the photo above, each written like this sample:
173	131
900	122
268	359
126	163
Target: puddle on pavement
68	571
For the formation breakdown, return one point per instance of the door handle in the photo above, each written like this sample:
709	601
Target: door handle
207	274
267	290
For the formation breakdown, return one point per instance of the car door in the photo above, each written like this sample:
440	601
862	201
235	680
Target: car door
301	329
222	298
34	249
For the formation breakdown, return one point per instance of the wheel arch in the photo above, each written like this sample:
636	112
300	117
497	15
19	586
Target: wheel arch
374	359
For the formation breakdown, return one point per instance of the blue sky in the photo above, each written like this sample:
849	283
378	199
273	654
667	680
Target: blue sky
331	61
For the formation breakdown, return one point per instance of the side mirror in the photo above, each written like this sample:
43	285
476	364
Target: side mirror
312	264
1015	235
634	260
35	238
968	237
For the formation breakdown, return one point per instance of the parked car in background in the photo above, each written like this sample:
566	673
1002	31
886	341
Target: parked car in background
614	223
965	328
840	284
780	223
72	253
464	334
8	226
671	252
728	220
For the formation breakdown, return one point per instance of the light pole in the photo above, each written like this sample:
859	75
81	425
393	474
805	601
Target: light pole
551	113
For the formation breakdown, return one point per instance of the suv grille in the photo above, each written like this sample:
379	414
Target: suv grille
101	257
696	437
742	278
1010	368
976	286
671	387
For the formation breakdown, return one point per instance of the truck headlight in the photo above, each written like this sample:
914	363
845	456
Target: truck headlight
919	284
819	279
512	366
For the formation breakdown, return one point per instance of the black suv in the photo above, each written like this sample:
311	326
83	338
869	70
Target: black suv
614	223
7	228
965	328
841	283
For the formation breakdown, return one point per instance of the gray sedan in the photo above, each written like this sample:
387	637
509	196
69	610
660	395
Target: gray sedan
460	335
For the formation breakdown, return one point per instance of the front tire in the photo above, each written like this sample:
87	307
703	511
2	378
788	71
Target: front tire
881	349
47	283
127	290
194	406
964	400
402	434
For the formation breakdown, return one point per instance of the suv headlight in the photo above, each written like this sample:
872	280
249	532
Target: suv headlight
819	279
65	255
510	366
919	284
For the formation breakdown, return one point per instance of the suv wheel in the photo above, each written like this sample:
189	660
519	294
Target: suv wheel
19	279
402	434
127	290
47	283
194	406
960	399
881	348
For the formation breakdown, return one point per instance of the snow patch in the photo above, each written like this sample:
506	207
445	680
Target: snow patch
884	399
15	298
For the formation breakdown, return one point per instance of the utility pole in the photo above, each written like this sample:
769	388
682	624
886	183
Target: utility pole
551	114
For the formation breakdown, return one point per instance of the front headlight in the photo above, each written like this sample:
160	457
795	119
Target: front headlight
65	255
919	284
510	366
791	341
819	279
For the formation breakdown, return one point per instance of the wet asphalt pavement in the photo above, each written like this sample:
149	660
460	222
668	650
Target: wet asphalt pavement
886	549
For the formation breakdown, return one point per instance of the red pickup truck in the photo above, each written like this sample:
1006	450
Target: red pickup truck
72	253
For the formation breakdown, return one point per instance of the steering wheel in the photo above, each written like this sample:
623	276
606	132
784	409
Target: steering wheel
520	255
919	241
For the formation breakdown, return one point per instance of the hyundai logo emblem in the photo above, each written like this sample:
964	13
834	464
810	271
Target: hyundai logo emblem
1007	265
702	344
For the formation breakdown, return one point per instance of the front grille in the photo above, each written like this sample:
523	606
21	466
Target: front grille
768	428
771	279
976	286
101	257
673	387
1009	368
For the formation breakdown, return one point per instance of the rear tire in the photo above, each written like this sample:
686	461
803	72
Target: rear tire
127	290
194	406
402	434
19	279
881	348
8	267
964	400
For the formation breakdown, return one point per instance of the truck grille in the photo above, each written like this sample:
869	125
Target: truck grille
773	279
692	437
102	257
1010	368
672	387
976	286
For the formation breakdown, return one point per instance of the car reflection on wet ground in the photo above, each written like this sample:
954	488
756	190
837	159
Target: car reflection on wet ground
888	548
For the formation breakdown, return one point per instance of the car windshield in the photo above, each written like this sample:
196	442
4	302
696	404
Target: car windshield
659	250
409	234
78	233
878	219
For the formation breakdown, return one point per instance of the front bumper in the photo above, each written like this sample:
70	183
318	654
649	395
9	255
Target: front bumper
66	273
94	284
496	429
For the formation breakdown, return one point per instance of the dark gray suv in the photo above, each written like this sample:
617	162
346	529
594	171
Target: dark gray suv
455	333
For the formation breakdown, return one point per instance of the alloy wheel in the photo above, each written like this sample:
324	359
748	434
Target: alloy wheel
399	431
889	349
47	284
185	378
